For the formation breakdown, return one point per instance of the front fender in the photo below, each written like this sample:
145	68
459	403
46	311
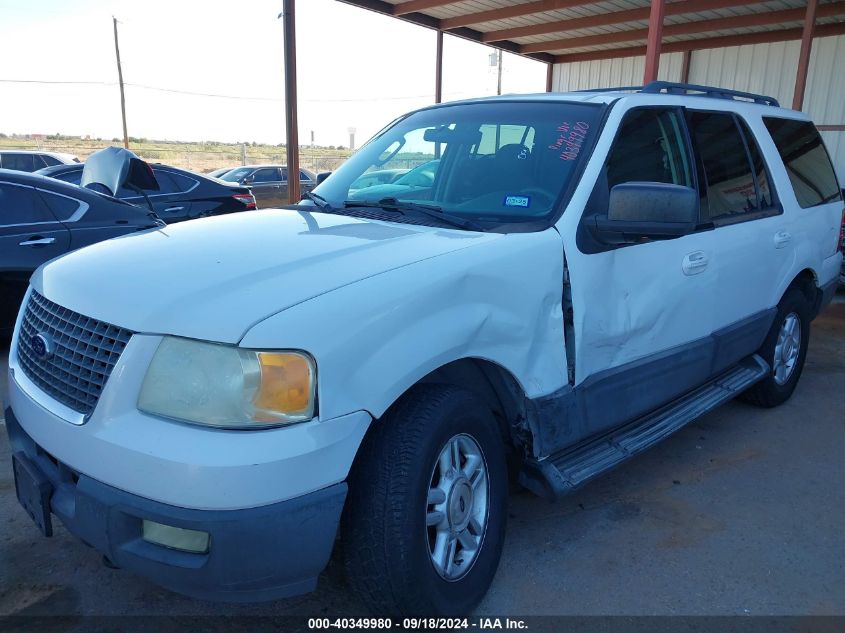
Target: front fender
374	339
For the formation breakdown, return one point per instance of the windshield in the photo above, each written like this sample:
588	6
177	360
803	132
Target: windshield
497	162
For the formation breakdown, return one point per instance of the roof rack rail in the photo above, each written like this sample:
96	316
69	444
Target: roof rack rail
617	89
669	87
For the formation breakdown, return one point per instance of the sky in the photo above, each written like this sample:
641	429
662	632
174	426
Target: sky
356	69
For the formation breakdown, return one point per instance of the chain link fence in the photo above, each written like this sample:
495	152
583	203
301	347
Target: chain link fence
200	157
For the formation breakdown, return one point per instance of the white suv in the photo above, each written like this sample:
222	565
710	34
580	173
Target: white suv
584	274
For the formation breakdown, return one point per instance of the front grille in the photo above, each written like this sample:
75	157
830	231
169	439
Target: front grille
84	352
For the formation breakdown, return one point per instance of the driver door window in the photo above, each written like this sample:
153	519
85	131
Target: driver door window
650	147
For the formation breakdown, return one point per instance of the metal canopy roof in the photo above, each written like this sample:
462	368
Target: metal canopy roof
560	31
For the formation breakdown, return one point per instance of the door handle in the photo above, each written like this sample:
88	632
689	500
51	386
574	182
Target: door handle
782	238
695	263
173	209
38	241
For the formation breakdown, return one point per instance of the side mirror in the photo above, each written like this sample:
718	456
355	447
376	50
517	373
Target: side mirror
647	210
322	176
248	180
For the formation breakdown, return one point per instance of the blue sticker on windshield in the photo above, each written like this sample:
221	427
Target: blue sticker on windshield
518	201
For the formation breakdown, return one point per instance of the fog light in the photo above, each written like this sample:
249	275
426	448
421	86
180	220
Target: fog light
192	541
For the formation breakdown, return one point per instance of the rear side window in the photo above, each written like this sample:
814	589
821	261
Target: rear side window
165	185
49	160
21	205
180	182
650	147
806	160
730	187
761	174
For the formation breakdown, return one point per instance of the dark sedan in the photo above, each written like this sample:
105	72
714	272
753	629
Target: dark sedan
270	182
42	218
182	195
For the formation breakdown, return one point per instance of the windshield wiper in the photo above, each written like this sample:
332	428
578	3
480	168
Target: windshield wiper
428	210
320	202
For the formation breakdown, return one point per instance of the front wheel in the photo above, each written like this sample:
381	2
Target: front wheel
785	349
424	523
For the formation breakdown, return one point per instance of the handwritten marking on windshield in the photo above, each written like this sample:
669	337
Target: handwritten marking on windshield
570	139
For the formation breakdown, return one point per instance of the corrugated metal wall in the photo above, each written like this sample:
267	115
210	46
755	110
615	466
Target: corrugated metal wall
762	68
609	73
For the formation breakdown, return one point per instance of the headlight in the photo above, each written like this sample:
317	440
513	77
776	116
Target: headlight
228	387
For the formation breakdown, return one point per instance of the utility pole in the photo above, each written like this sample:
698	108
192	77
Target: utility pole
120	79
499	85
291	105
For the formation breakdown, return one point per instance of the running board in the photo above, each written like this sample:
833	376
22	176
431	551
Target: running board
563	472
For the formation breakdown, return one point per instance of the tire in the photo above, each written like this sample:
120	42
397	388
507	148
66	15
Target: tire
386	539
778	386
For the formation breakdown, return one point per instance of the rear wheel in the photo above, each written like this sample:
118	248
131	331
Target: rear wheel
424	523
785	349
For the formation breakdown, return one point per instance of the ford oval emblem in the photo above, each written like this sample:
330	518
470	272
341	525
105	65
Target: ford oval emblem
42	345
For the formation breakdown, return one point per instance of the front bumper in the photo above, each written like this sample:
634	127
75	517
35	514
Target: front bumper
255	554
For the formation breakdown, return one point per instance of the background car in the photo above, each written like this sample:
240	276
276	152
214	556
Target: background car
183	195
269	182
378	177
42	218
420	178
25	160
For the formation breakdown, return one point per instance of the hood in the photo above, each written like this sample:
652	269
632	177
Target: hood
115	167
214	278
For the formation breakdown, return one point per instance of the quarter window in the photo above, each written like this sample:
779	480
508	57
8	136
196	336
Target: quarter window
730	188
62	207
806	160
650	147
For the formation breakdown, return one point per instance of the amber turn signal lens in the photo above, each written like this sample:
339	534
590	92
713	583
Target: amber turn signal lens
287	384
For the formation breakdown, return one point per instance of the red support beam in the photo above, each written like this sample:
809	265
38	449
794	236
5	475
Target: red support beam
412	6
550	73
504	13
615	17
291	103
655	39
685	65
438	69
804	55
687	28
762	37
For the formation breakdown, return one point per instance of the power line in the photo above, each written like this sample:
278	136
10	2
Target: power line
212	94
75	83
